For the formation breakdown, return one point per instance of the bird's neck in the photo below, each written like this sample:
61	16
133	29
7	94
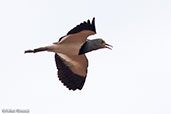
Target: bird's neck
88	46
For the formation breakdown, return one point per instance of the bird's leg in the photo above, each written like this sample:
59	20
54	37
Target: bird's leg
37	50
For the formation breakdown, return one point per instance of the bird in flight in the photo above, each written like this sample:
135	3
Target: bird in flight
70	50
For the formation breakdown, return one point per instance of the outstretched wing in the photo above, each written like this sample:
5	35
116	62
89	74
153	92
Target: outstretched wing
80	33
83	26
72	70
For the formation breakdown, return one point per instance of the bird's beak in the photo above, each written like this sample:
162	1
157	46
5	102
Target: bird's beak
108	46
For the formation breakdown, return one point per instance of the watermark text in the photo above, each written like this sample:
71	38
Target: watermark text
15	111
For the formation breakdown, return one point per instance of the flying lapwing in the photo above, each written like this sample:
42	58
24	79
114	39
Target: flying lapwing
70	50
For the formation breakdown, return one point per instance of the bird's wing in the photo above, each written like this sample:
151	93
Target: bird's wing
83	26
80	33
72	70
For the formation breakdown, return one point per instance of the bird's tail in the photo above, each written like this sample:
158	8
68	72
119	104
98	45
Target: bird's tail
37	50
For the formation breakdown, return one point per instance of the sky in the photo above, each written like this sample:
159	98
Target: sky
133	78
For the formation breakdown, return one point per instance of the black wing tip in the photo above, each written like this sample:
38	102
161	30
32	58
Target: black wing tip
67	77
72	86
86	25
93	19
93	23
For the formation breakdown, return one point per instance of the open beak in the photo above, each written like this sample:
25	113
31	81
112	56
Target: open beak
108	46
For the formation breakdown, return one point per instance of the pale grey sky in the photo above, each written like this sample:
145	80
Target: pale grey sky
133	78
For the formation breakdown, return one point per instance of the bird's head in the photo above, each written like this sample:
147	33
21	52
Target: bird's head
102	44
